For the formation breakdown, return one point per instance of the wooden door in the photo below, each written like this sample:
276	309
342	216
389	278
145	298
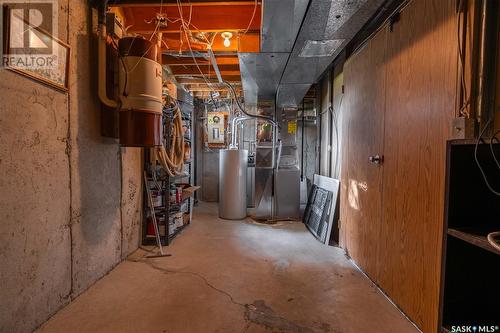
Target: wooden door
421	62
363	112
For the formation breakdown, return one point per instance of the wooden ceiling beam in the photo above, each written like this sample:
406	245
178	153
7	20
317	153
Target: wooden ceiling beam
231	74
249	42
203	17
188	61
211	74
173	3
205	69
207	89
233	79
213	86
204	94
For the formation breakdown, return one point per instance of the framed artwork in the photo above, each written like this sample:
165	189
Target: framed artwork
43	58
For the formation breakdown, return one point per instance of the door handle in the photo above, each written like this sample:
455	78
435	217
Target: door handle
376	159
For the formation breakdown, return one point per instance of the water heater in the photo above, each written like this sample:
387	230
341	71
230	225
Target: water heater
140	93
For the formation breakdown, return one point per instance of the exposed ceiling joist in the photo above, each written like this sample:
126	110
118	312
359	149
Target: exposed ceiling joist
188	61
207	17
187	80
211	79
178	41
206	69
206	89
173	3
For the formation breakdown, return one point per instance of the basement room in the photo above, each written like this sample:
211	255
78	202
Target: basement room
250	166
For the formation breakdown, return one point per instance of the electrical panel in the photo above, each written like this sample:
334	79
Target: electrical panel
216	128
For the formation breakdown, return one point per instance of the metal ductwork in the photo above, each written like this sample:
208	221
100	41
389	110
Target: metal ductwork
261	72
299	41
300	38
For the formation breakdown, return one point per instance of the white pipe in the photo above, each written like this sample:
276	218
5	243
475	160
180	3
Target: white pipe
103	96
280	147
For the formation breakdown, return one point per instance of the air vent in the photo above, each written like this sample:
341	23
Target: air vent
320	48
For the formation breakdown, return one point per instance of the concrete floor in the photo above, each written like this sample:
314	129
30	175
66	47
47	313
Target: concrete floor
234	276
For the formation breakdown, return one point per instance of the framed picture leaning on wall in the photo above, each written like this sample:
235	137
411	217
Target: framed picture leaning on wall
30	48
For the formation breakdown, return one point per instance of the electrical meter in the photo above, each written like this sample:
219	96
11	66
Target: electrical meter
216	128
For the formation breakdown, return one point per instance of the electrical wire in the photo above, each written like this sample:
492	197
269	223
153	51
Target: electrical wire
253	16
461	50
186	32
477	160
337	137
185	29
235	96
142	56
494	137
125	84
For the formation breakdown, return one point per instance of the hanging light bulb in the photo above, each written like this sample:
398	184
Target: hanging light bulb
227	38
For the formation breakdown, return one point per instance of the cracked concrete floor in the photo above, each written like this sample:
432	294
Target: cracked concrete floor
234	276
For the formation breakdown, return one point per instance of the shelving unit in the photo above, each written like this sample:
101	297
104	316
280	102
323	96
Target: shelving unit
471	266
172	217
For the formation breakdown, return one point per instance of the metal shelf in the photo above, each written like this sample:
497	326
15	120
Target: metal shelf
167	210
177	231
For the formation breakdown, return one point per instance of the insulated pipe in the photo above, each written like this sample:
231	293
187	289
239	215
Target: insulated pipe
103	96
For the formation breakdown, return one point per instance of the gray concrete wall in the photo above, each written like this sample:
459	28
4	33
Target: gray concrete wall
70	200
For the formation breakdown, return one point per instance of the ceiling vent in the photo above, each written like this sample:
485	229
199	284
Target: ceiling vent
320	48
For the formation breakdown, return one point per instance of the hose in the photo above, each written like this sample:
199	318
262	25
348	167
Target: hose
172	160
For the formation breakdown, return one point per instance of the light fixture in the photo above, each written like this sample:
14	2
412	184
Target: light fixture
227	36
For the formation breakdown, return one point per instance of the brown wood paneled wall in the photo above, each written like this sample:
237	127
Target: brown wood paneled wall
400	94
